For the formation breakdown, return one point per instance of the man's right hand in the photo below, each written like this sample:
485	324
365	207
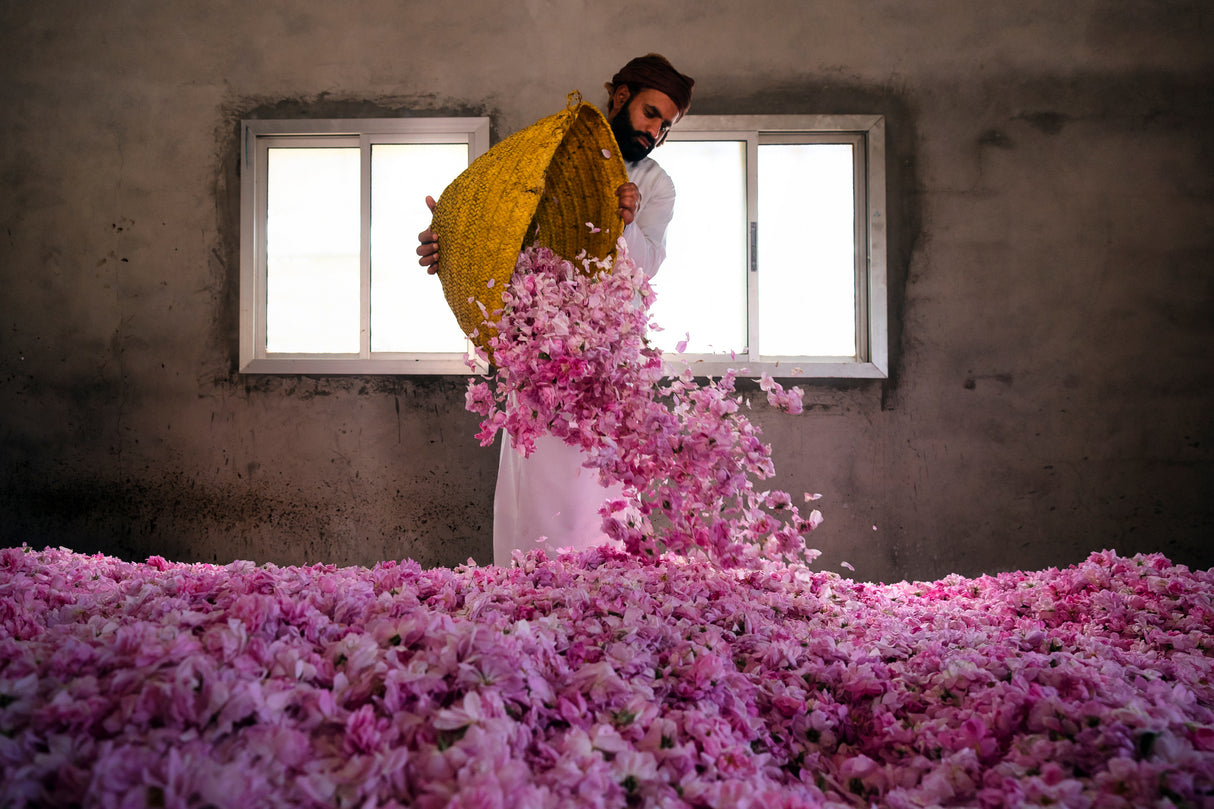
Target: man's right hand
629	197
427	246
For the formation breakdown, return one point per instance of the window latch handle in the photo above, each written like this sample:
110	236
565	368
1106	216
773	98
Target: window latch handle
754	246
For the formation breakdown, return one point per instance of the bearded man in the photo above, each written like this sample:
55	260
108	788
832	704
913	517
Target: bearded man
646	98
550	494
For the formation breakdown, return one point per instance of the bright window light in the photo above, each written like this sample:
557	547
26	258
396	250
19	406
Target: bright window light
312	237
330	212
701	287
776	253
807	250
402	175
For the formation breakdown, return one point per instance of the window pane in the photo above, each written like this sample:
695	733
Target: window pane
701	287
408	311
312	245
807	276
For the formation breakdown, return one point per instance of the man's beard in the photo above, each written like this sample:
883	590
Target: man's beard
634	144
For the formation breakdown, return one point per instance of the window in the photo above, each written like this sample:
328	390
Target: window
330	212
776	254
775	258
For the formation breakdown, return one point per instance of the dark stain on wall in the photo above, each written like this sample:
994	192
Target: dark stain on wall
995	137
175	516
1046	121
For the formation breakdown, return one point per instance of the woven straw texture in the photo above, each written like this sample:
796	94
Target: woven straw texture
539	186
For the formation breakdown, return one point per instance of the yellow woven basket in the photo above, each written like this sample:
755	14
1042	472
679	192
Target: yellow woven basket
539	186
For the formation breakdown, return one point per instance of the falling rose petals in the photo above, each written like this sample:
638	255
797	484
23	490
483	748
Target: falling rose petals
667	682
572	361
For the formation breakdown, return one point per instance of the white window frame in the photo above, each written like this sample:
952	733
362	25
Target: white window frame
256	137
867	134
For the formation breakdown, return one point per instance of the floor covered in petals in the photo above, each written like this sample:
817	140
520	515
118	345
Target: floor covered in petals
600	680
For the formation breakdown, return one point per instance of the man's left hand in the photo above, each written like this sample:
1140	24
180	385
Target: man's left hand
630	200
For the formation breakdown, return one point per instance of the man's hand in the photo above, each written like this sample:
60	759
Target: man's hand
630	199
427	246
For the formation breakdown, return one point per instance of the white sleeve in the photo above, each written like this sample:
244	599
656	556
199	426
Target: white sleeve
646	236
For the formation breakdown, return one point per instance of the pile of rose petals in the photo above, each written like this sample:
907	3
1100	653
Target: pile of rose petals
601	679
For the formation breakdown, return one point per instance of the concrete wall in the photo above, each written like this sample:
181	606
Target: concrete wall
1050	181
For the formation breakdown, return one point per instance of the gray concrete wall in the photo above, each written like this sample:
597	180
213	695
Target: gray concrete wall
1051	252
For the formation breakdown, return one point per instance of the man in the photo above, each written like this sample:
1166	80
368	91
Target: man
550	494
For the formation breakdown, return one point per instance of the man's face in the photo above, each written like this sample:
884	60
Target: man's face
639	121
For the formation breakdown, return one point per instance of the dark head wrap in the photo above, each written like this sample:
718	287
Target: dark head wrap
656	72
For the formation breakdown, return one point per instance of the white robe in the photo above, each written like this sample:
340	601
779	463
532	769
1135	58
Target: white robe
550	496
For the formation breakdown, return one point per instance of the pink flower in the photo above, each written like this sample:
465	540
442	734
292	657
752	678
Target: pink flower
469	712
364	730
864	770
